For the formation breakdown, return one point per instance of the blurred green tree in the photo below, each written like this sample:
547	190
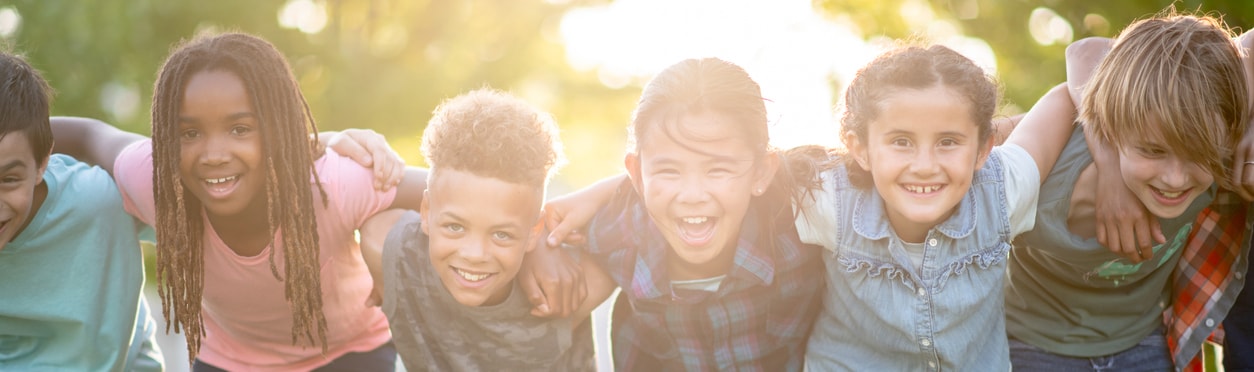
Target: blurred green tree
381	64
1026	67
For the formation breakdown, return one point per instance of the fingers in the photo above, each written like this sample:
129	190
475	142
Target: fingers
535	295
553	292
1157	230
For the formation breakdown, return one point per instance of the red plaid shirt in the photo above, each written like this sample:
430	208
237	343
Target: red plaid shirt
1208	278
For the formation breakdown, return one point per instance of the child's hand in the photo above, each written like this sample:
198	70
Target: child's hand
566	216
370	149
1124	226
553	281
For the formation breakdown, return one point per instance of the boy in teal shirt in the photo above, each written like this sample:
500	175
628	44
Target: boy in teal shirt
71	269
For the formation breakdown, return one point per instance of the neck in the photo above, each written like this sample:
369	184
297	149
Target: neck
678	269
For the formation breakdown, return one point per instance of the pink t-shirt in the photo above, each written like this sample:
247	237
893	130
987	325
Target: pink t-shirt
248	322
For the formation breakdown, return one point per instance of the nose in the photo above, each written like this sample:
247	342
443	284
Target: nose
693	190
216	151
474	250
924	162
1175	173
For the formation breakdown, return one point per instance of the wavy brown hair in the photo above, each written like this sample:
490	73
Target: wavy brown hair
286	125
1178	76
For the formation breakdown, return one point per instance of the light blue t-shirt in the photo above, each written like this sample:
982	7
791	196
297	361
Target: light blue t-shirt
70	282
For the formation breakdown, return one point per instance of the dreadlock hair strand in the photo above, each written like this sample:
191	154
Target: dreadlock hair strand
286	126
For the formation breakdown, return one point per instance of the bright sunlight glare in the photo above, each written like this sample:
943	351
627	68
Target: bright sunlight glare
800	59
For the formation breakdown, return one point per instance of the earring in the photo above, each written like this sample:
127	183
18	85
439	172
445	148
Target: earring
757	192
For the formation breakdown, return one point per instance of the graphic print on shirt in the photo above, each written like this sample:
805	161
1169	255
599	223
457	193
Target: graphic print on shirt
1117	270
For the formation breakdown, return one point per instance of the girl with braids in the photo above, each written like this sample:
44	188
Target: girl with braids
254	220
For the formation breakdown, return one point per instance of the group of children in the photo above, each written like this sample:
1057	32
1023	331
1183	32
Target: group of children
923	245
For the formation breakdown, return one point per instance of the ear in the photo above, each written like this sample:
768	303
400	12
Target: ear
765	173
857	150
985	150
44	167
422	211
632	162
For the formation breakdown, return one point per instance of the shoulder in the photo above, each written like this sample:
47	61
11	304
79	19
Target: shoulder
86	185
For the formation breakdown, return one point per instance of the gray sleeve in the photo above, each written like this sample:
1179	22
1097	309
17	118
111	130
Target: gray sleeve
395	250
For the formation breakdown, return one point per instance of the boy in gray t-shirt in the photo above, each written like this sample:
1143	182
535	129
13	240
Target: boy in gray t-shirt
448	272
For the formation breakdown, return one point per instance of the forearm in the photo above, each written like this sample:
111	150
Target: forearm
90	140
1082	58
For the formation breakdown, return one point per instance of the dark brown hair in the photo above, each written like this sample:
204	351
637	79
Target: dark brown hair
24	100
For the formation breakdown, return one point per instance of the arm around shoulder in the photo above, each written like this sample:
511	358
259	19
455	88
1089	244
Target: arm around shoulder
90	140
1045	129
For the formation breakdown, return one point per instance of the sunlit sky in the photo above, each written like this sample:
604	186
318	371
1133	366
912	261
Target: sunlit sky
799	57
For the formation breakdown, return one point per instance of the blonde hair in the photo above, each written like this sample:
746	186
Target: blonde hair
493	134
1176	75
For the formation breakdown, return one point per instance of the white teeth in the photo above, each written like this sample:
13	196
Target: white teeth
214	181
695	220
471	277
921	189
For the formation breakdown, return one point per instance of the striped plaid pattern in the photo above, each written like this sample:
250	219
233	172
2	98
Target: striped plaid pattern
1204	285
757	320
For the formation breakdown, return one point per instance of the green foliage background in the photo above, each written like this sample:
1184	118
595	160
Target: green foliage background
385	64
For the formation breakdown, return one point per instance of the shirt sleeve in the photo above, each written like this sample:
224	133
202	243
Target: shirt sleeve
1023	186
132	171
393	255
816	220
350	187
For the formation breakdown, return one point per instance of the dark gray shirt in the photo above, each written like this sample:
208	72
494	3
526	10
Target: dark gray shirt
433	332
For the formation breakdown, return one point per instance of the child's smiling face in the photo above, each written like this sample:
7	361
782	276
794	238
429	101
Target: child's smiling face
479	229
696	177
1164	181
20	177
922	151
220	144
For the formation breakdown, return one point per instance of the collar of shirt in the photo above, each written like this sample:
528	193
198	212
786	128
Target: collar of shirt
872	222
753	263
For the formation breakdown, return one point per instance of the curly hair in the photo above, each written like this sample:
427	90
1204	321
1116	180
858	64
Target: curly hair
914	67
1176	76
493	134
286	125
24	101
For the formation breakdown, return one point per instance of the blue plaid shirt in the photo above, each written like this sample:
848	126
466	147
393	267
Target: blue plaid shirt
759	318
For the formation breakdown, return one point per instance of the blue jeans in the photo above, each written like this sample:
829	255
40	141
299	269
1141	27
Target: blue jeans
1150	354
1239	330
381	359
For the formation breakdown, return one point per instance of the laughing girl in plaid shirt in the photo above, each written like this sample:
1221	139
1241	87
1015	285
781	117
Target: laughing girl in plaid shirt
700	237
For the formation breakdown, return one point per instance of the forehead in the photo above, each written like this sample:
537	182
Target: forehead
16	147
213	90
696	135
473	196
924	110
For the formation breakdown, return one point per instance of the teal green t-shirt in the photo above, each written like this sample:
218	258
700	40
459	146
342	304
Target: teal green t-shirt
70	282
1072	296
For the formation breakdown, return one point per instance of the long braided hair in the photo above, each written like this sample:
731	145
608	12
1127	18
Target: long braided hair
289	151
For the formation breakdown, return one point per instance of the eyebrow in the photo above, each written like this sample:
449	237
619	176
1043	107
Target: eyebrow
231	117
12	164
945	133
459	219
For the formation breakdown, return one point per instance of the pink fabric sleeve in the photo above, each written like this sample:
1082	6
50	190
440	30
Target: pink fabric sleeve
351	186
132	171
